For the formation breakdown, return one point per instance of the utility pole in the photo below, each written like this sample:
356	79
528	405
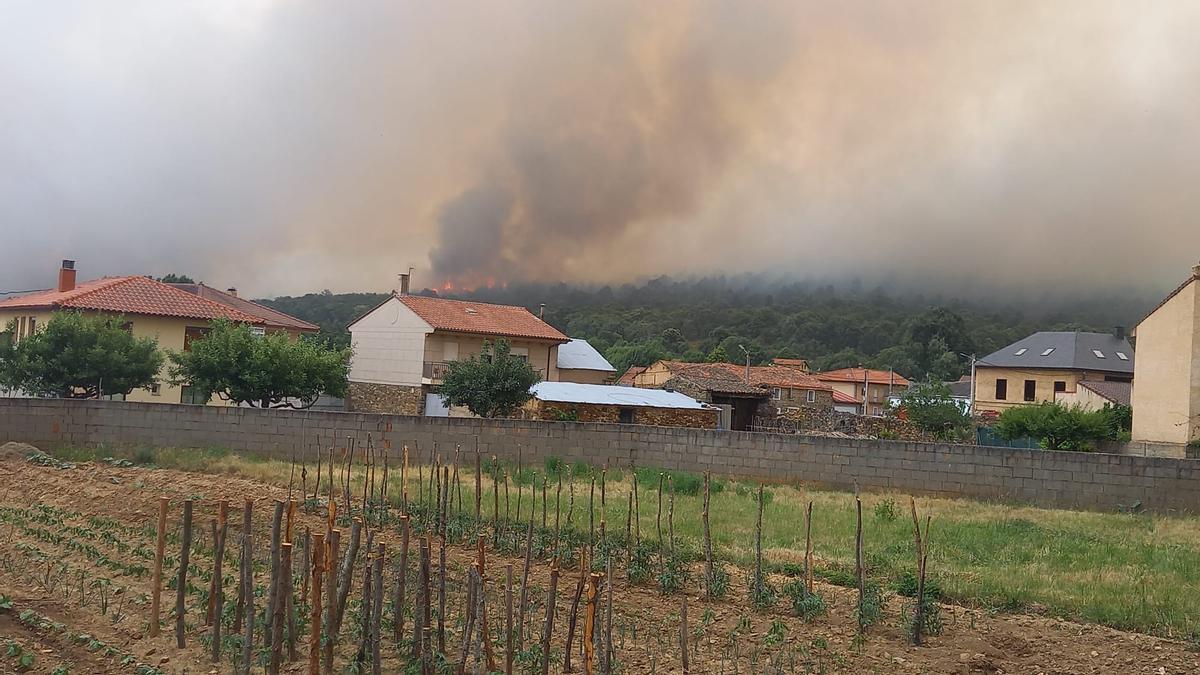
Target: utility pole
747	353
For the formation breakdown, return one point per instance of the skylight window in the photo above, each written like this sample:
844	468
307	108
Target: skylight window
1099	354
1021	351
1048	352
1122	356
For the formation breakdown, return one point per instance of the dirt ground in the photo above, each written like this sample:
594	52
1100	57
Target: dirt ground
646	624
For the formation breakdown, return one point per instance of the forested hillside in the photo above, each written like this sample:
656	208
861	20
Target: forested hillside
918	335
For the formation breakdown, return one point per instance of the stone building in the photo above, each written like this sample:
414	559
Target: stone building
570	401
868	388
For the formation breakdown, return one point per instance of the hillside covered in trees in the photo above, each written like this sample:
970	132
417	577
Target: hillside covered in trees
919	335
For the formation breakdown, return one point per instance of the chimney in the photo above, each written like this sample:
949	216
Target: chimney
1196	270
66	276
542	311
232	291
1119	332
404	282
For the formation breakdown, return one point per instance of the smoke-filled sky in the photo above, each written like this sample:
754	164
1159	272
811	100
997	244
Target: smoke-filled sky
286	146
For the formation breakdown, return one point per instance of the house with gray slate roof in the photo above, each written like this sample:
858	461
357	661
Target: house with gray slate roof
1045	365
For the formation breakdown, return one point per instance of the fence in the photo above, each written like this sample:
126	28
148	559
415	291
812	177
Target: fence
1040	477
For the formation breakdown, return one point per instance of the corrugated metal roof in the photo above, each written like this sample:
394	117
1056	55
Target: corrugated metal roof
580	355
603	394
1065	351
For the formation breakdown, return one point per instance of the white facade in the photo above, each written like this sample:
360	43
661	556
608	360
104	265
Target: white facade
389	345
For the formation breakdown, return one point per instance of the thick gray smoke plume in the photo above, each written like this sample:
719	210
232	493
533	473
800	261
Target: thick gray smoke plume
291	145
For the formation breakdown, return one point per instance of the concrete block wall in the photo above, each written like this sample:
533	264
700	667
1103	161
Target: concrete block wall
1092	481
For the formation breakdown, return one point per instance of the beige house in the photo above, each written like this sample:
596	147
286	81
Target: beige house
865	388
403	345
173	317
1166	394
1046	365
1096	394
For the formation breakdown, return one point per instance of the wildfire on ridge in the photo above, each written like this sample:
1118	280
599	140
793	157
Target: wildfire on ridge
468	286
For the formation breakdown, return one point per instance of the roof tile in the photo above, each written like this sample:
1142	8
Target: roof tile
131	295
480	318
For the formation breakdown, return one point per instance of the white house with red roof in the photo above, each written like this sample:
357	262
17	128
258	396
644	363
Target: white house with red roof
170	315
401	348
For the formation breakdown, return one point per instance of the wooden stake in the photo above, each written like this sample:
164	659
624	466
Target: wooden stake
525	586
331	583
495	504
572	616
441	617
508	616
708	553
858	562
548	626
218	595
683	635
287	596
304	565
589	623
478	482
276	536
277	619
156	583
185	546
314	627
808	570
401	580
247	591
377	613
759	581
918	625
346	579
606	661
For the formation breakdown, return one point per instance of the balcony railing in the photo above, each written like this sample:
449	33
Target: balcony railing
436	370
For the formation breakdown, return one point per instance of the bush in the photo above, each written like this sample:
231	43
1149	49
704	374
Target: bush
554	466
1055	426
872	605
685	483
805	605
906	586
886	511
931	407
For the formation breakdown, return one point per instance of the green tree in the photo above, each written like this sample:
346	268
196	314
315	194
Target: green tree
717	355
932	408
1055	426
493	384
80	356
173	278
264	371
626	354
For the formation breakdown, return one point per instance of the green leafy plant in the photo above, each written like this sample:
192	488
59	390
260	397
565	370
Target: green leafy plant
805	605
674	573
871	608
930	406
776	634
6	603
493	384
1055	426
886	511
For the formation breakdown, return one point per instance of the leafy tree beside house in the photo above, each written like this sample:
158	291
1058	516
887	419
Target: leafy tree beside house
263	371
75	355
931	407
493	384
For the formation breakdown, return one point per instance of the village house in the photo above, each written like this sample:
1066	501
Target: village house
272	320
1094	395
866	389
172	316
403	345
1166	393
570	401
578	361
1041	367
629	377
742	392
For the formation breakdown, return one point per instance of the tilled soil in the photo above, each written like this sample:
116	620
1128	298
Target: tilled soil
646	624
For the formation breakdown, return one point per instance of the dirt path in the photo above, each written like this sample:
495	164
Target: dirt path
972	641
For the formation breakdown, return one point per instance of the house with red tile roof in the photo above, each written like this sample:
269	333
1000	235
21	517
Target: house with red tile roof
272	320
172	316
869	388
402	346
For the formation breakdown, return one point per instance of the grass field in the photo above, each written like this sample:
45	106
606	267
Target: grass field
1130	571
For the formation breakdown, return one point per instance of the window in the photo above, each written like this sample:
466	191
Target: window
32	324
625	416
1021	351
1048	352
1060	386
258	331
127	326
192	333
1030	390
191	396
1001	389
811	396
155	389
20	328
1122	356
776	393
449	351
1099	354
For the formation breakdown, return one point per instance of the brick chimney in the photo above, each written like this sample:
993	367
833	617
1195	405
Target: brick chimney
232	291
66	276
404	282
1196	270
